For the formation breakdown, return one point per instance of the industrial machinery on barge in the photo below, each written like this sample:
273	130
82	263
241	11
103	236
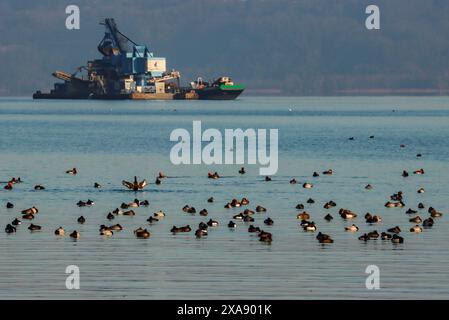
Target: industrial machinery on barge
129	70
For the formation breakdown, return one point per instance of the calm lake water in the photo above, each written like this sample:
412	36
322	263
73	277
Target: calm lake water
109	141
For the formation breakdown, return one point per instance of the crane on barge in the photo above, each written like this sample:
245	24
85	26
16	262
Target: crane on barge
128	70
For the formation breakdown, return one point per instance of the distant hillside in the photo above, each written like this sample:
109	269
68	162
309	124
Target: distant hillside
309	47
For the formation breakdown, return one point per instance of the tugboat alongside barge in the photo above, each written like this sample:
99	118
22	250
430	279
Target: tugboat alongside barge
129	71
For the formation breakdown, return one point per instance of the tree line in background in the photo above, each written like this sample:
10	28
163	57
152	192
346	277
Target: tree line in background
303	47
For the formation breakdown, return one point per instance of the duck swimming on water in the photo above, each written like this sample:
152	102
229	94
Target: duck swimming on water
416	219
394	230
213	175
247	218
203	226
87	203
181	229
116	227
212	223
397	196
364	237
235	203
189	209
311	227
253	229
428	223
303	216
385	236
352	228
10	229
142	233
248	212
239	216
81	220
103	227
60	231
130	213
32	210
72	171
152	220
347	214
133	204
411	211
106	233
117	211
324	238
329	204
265	236
372	219
34	227
416	229
199	233
135	185
391	204
397	239
373	235
434	213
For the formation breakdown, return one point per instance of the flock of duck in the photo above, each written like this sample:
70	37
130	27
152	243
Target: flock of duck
392	234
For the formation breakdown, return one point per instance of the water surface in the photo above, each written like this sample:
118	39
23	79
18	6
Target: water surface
109	141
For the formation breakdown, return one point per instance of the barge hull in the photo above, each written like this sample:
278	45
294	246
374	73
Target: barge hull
218	94
202	94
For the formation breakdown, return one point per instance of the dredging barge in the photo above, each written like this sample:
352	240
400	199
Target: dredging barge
129	71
